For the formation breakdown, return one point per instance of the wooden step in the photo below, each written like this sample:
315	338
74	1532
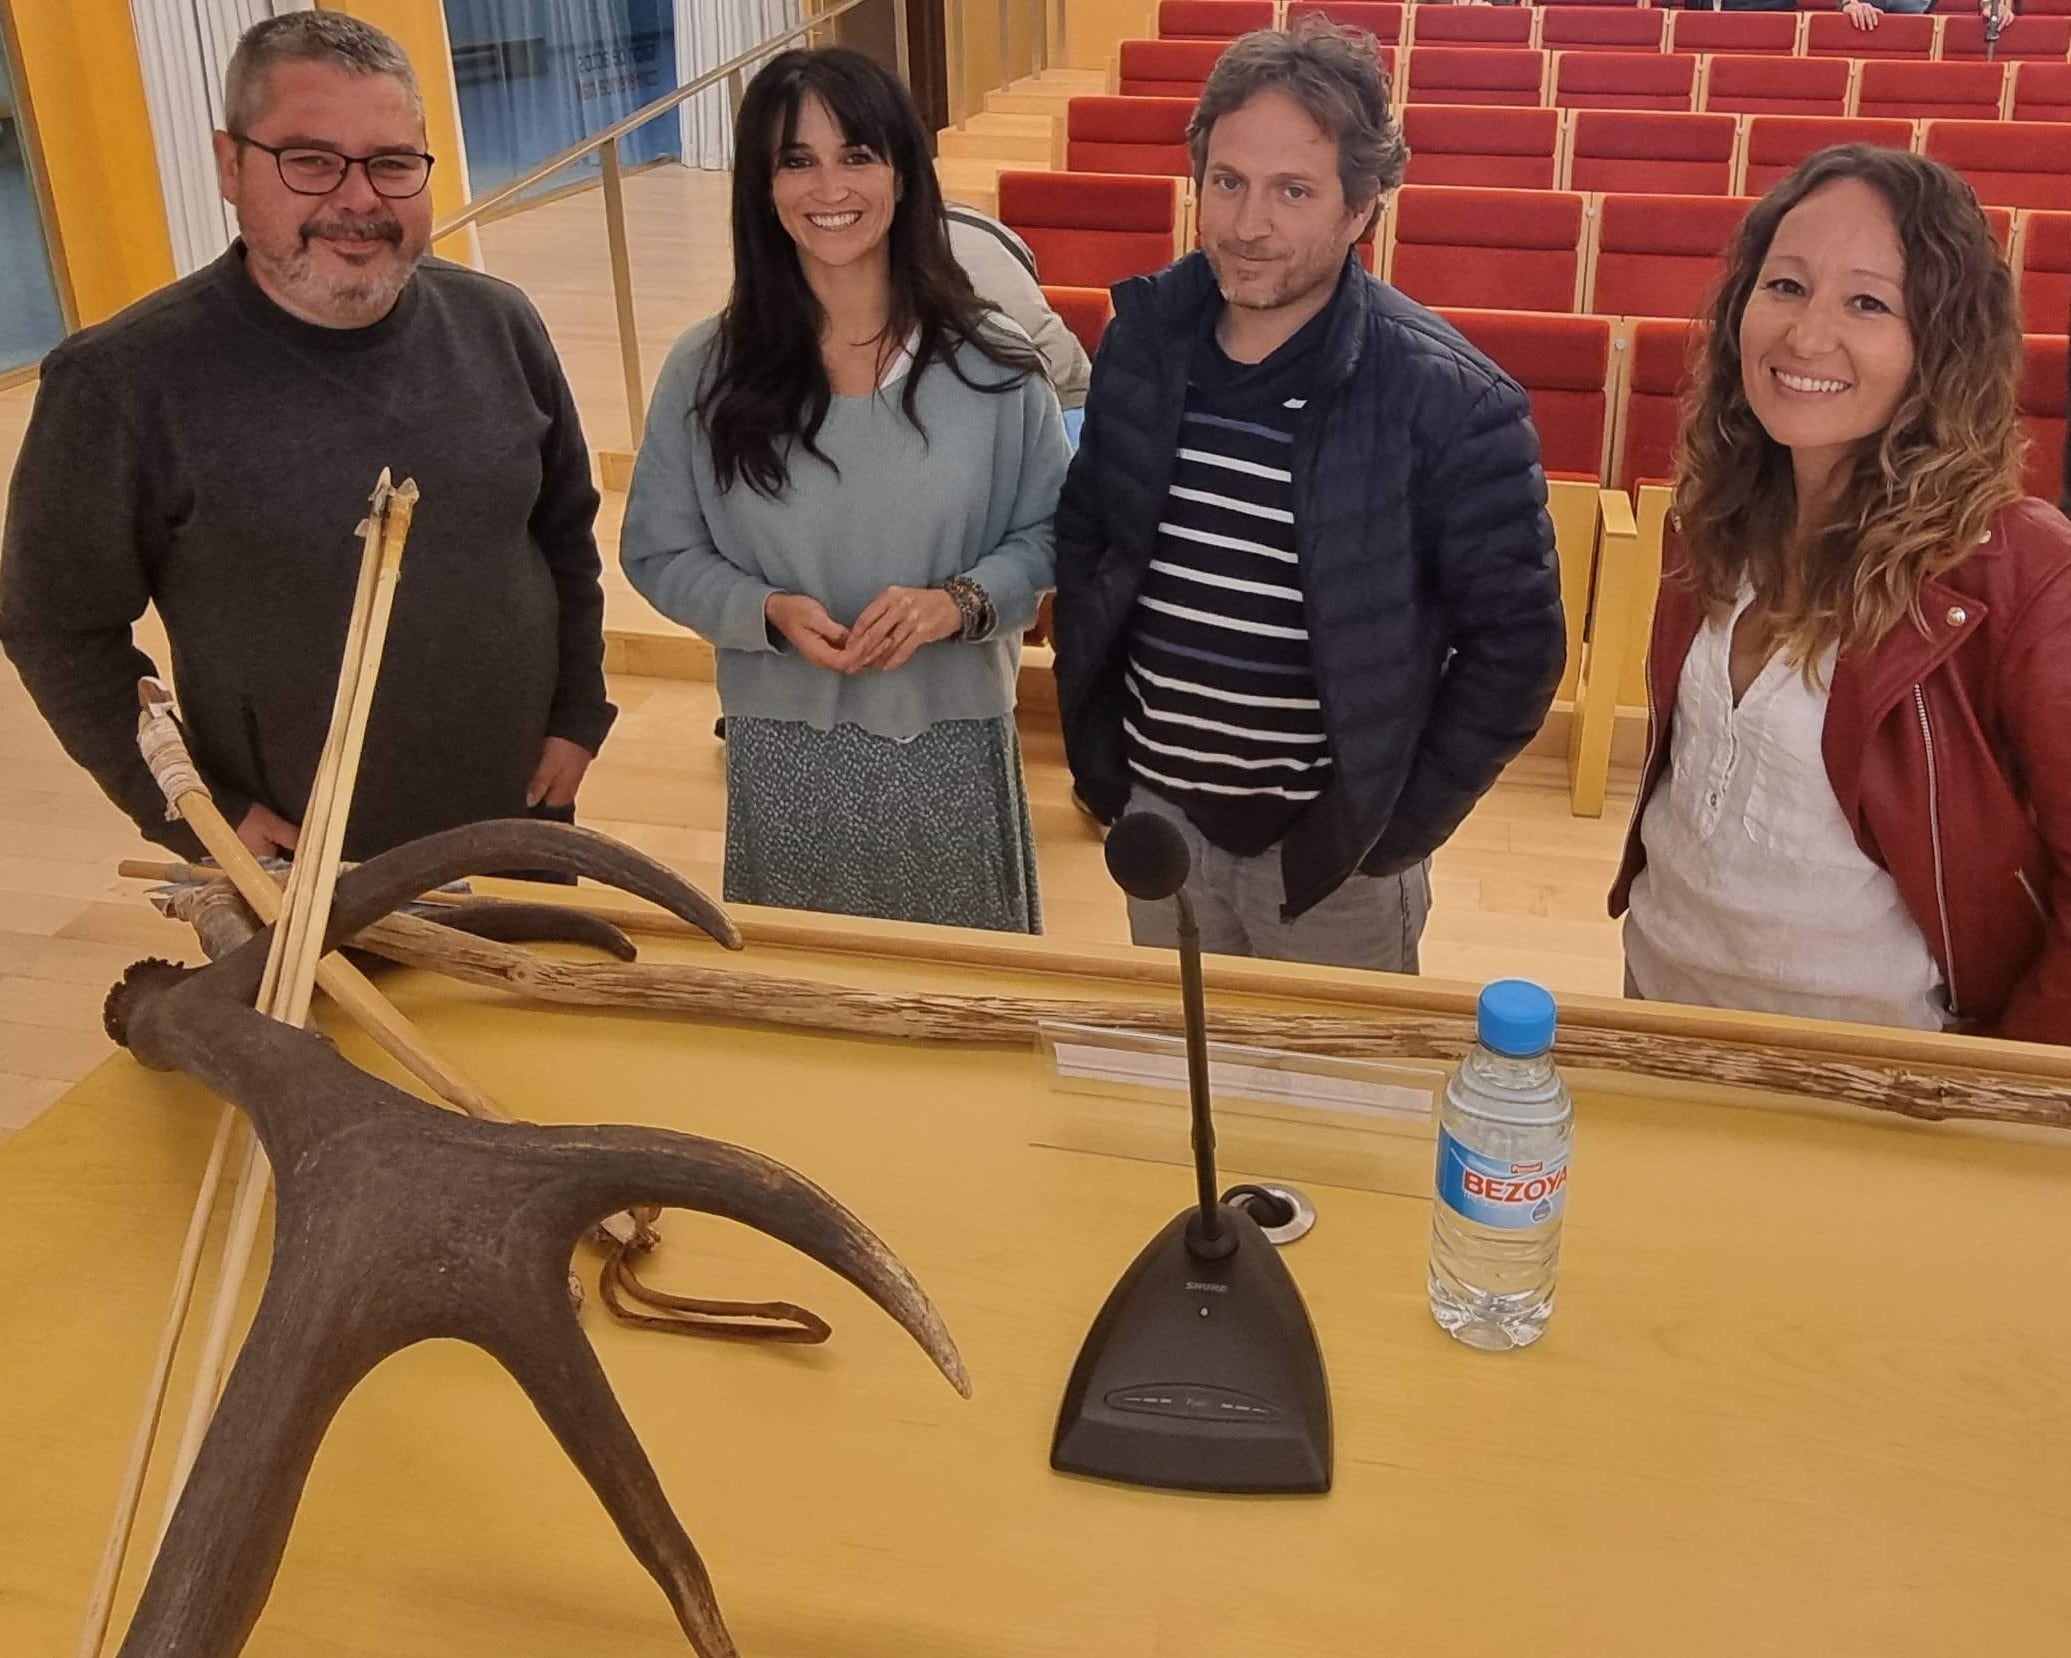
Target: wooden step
1017	140
1020	99
974	183
1076	80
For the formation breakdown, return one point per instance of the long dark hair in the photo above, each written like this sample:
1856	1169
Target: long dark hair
767	386
1919	495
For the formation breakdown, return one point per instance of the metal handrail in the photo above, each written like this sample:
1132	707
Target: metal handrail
1046	25
604	146
473	211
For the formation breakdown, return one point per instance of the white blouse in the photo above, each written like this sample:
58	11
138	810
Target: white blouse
1755	894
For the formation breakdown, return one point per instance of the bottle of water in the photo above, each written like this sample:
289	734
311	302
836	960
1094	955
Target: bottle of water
1503	1135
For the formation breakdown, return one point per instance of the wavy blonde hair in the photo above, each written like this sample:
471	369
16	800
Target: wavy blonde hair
1918	496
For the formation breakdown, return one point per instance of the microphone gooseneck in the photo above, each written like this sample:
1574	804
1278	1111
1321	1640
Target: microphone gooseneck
1149	860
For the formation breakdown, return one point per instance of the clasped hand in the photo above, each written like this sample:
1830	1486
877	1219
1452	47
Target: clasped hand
891	628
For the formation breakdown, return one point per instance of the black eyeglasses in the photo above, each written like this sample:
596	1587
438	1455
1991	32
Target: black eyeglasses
308	171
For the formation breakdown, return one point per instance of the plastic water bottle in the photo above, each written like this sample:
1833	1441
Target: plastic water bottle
1504	1130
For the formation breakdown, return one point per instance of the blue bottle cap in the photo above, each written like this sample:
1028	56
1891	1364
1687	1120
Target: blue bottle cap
1515	1017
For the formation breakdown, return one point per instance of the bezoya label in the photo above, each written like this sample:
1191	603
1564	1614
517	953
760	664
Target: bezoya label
1491	1192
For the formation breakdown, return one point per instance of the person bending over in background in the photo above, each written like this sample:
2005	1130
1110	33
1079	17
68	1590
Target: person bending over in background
1857	803
1003	273
846	485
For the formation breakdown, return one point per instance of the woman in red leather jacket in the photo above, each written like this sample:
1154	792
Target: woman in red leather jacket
1857	796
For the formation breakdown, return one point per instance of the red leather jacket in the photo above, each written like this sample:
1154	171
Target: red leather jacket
1950	753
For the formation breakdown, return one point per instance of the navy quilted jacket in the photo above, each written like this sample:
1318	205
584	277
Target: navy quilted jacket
1427	565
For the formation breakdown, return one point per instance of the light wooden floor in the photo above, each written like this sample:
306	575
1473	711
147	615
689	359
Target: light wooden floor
1519	890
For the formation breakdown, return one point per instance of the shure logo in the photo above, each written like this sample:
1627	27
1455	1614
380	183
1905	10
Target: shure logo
1212	1289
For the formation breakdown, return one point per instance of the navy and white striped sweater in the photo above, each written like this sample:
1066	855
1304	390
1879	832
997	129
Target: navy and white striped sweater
1223	717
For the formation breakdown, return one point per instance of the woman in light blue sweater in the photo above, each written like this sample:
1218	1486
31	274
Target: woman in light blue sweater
846	486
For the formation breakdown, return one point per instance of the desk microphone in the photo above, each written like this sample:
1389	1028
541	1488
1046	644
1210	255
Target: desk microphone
1995	24
1202	1371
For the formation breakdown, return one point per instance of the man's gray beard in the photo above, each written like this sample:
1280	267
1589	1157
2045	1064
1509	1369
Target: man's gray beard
342	303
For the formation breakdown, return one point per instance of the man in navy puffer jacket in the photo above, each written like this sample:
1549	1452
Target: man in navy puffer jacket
1307	605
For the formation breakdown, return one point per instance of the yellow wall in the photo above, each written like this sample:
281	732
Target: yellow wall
419	27
78	69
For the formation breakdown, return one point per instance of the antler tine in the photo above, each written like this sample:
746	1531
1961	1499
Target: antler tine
506	922
383	884
611	1168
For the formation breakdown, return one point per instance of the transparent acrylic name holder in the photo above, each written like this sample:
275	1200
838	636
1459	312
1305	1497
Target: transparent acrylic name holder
1281	1116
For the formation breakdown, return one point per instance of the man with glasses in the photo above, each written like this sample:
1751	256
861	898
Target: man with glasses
210	449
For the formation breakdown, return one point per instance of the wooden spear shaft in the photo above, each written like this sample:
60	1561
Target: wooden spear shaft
188	797
291	967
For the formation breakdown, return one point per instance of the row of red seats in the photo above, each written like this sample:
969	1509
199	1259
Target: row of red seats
1606	394
1737	84
1619	254
1596	26
1554	358
2010	164
1642	254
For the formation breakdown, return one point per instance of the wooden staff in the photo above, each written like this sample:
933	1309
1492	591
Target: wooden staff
298	939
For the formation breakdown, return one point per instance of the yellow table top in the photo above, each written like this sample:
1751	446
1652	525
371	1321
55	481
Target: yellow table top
1807	1390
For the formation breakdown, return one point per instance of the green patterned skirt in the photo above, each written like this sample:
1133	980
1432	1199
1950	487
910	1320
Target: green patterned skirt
934	828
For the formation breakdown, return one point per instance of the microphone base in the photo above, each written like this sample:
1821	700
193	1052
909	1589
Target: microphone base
1201	1374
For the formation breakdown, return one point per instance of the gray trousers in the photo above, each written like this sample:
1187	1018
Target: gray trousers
1371	921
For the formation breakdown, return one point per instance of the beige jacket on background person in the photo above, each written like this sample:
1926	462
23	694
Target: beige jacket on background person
1003	271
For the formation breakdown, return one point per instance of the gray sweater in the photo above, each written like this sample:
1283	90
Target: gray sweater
972	495
210	453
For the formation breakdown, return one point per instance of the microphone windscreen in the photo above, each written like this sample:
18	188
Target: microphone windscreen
1147	856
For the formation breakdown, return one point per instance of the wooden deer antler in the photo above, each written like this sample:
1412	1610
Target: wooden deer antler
396	1223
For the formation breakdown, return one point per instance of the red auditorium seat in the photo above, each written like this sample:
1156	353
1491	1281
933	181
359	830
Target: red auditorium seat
1624	80
1658	256
1775	32
2008	163
1443	25
1166	68
1564	365
1091	230
2026	39
1383	22
1476	75
1548	4
2046	273
1777	86
1690	155
1212	19
2042	91
1601	28
2042	413
1085	311
1128	135
1506	149
1661	357
1777	143
2048	8
1514	249
1930	91
2000	222
1829	34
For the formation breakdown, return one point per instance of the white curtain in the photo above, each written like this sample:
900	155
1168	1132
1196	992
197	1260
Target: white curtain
708	32
185	45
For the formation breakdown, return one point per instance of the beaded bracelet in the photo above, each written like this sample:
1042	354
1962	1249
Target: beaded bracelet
974	605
